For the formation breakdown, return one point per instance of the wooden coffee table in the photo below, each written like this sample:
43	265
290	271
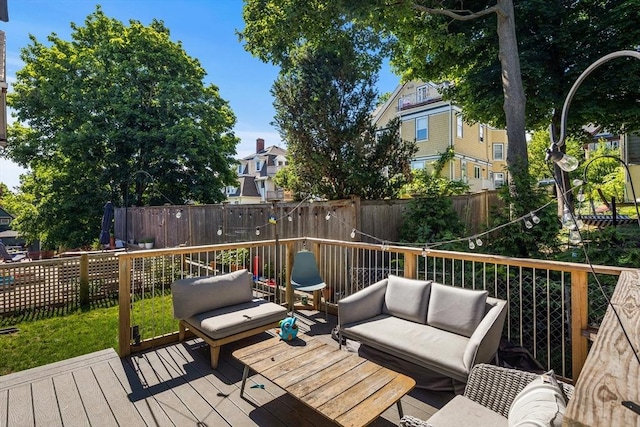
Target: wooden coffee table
345	388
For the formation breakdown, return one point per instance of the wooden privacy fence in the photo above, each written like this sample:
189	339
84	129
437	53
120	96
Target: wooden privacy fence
190	225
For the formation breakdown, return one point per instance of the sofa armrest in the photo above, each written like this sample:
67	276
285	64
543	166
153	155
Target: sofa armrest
485	340
495	387
364	304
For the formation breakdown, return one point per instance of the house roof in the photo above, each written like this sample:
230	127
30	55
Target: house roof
272	150
247	187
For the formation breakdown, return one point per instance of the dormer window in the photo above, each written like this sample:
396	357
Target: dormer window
422	94
258	165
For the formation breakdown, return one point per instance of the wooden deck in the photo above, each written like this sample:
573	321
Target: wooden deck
172	385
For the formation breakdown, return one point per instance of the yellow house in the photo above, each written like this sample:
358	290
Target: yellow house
435	124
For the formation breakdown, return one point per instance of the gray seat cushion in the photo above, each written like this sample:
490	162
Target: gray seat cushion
201	294
226	321
461	411
417	343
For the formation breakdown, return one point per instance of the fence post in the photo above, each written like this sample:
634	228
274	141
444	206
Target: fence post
409	265
124	303
84	279
579	321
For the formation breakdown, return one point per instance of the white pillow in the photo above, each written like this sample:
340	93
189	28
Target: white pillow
540	404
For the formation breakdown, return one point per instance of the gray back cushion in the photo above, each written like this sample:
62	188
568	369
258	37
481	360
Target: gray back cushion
456	310
407	298
201	294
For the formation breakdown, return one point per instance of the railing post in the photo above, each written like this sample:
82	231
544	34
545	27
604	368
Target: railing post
124	302
84	279
288	266
579	321
409	265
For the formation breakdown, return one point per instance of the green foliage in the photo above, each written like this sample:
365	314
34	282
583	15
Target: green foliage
433	184
233	257
114	100
616	246
515	240
323	104
430	219
287	179
604	173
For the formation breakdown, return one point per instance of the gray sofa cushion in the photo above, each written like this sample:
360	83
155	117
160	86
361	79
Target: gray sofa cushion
456	310
407	298
417	343
461	411
201	294
225	321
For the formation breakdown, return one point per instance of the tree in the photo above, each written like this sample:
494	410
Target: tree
115	100
323	104
413	31
539	168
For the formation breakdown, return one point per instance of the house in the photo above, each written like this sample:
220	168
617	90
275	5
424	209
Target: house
255	176
436	125
5	219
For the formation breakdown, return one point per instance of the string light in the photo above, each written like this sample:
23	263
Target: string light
424	252
179	214
528	223
535	218
328	217
472	245
257	231
478	241
353	233
289	218
219	232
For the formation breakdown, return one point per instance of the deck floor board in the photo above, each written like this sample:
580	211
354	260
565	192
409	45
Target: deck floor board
171	385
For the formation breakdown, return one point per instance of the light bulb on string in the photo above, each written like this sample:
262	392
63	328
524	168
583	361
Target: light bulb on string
535	218
528	223
179	214
289	218
580	197
353	233
567	220
219	232
257	231
472	245
328	217
424	252
478	241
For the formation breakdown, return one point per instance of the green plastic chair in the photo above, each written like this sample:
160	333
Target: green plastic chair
305	276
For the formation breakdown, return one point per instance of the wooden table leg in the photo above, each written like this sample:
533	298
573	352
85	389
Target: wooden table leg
245	374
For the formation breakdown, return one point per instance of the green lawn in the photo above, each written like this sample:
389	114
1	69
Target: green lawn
47	340
47	337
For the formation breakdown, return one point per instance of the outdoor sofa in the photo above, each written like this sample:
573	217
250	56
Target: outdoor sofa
443	329
221	309
496	396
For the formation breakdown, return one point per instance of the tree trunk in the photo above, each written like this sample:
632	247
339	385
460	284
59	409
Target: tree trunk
514	98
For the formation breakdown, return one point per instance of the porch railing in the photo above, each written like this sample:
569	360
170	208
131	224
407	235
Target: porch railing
550	304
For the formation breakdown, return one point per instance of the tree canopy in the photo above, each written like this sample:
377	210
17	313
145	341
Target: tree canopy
94	111
323	104
473	47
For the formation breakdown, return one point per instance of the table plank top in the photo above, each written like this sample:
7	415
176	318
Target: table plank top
342	386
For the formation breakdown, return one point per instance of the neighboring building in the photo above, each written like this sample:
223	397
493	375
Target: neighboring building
255	176
435	125
5	219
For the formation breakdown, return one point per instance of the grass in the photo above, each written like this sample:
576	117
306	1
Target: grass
45	337
47	340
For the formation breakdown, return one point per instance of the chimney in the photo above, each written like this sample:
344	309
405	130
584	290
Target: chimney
259	145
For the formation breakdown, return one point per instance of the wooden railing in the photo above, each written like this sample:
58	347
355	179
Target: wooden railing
550	303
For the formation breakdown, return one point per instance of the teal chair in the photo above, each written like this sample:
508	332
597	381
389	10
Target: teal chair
305	276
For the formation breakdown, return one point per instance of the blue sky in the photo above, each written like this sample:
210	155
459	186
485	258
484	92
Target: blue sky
206	29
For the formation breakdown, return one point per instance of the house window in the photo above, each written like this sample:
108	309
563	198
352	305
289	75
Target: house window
417	164
459	125
463	170
5	221
481	133
258	165
498	151
240	168
498	179
477	172
422	130
422	94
